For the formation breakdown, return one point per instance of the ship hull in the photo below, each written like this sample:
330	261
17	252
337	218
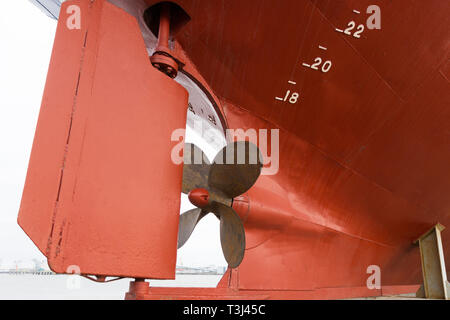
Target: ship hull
362	141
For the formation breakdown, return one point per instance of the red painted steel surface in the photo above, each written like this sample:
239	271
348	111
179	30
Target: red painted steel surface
363	156
44	168
364	153
142	291
102	192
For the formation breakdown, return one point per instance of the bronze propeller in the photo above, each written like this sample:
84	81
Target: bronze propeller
211	187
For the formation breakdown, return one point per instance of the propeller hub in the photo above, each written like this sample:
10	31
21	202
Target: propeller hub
199	197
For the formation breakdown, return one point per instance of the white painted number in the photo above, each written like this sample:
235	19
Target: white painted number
292	98
351	25
360	30
326	66
317	63
287	95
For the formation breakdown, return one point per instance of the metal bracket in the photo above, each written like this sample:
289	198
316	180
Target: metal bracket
435	284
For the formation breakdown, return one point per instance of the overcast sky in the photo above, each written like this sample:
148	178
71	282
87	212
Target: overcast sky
26	41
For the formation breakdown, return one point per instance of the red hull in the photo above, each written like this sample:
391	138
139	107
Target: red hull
364	150
364	154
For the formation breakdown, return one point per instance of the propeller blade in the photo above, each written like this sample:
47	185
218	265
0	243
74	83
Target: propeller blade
195	168
188	221
232	234
236	168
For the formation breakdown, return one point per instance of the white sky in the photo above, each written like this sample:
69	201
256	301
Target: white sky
26	39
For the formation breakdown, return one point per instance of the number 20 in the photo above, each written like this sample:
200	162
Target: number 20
325	67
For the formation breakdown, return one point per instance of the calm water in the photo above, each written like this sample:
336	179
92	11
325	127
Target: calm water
64	287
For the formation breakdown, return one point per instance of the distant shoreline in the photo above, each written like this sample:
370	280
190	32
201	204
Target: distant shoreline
51	273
